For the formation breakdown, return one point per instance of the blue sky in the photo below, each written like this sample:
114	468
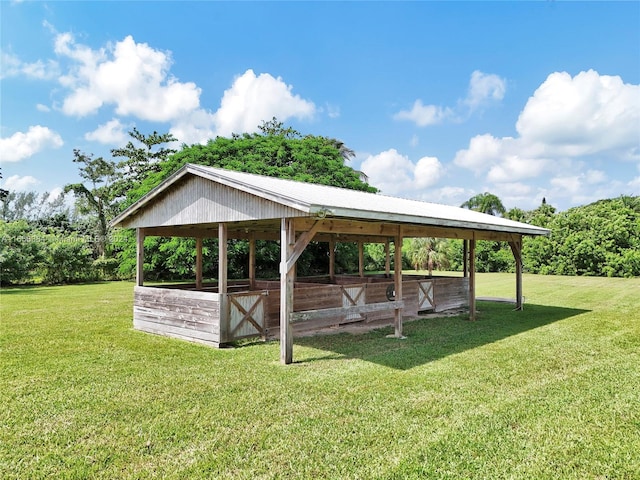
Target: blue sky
440	101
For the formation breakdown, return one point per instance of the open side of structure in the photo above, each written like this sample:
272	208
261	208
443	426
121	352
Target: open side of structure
204	202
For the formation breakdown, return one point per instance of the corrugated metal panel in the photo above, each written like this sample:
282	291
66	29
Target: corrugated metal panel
342	202
198	200
228	195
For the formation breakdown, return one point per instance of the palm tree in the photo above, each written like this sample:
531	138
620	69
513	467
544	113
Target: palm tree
429	252
486	203
345	152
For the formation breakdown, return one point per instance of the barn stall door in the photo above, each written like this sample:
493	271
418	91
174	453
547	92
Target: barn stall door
353	296
425	296
246	315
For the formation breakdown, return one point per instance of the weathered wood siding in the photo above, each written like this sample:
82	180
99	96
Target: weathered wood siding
184	314
451	293
448	293
195	315
196	200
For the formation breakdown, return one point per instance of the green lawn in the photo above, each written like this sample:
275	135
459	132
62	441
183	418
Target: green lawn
551	392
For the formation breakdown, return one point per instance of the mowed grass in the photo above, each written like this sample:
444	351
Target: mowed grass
550	392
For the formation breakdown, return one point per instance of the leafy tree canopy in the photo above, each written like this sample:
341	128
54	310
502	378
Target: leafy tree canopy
276	151
139	159
602	238
486	203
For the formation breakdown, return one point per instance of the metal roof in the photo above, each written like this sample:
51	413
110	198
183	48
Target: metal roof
330	201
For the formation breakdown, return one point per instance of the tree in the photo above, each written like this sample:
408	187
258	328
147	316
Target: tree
345	152
516	214
97	198
3	192
429	253
140	161
22	250
602	238
486	203
277	151
275	128
31	206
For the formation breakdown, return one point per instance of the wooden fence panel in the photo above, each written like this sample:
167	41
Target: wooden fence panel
184	314
246	315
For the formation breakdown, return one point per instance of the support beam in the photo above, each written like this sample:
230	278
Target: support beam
397	270
252	261
516	248
387	259
222	281
472	279
287	242
360	259
332	258
198	263
465	258
139	256
301	244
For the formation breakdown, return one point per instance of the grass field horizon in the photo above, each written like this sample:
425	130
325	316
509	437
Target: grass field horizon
550	392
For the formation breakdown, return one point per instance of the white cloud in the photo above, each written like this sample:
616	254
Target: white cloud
333	111
110	133
196	127
42	108
594	177
569	184
583	115
513	167
484	89
513	194
20	184
12	66
483	150
427	172
566	125
423	115
252	99
447	195
244	106
23	145
132	76
394	174
135	79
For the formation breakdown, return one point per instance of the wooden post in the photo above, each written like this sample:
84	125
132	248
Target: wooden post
139	256
332	259
198	263
222	281
287	242
516	248
465	258
397	270
387	259
360	259
252	261
472	278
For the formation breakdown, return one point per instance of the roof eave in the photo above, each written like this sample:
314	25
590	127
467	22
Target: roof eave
431	221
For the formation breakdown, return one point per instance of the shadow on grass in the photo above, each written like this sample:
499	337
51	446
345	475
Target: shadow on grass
433	338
